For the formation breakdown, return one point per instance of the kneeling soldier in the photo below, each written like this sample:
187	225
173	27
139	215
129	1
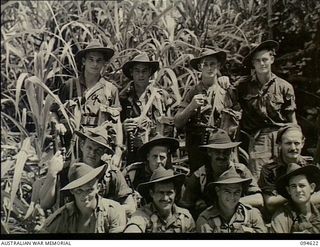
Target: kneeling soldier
228	215
88	213
161	215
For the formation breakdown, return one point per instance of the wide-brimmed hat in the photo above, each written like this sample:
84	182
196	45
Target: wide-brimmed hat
266	45
81	173
158	140
285	129
140	58
220	55
161	175
312	173
230	176
97	134
93	46
219	139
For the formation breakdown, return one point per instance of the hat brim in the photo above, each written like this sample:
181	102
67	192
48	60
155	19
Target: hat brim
82	135
178	180
243	181
108	53
172	143
85	179
266	45
311	171
221	146
220	55
154	65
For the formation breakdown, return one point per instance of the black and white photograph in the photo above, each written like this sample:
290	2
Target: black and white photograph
160	119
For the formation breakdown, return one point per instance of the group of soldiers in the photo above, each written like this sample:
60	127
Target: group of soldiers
122	176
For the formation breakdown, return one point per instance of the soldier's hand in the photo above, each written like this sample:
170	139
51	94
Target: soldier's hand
130	124
115	160
55	165
61	129
200	205
224	82
197	100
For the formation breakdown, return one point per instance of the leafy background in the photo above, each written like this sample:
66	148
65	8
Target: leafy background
39	40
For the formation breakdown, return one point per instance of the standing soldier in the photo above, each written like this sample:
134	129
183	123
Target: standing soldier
92	97
161	215
145	108
206	105
228	215
268	102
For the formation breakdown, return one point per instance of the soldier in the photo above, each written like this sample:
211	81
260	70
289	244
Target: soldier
195	197
161	215
157	152
91	96
228	215
299	214
146	108
290	140
94	145
206	105
268	102
88	212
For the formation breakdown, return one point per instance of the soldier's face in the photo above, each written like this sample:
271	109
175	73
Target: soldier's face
92	152
229	195
209	67
291	145
93	62
300	189
163	195
85	194
220	159
262	61
141	73
157	156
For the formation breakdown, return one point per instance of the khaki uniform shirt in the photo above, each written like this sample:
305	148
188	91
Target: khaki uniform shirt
148	220
159	110
195	185
114	185
288	220
245	219
109	218
266	106
271	172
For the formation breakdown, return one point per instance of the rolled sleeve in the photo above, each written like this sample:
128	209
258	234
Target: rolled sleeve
138	219
117	220
280	223
202	225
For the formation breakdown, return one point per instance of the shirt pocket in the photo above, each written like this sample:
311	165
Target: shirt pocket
276	101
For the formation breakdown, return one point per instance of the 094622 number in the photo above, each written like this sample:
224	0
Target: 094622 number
309	243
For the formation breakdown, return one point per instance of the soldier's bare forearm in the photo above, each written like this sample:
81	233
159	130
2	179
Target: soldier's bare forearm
315	198
273	202
48	191
129	205
255	200
181	118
